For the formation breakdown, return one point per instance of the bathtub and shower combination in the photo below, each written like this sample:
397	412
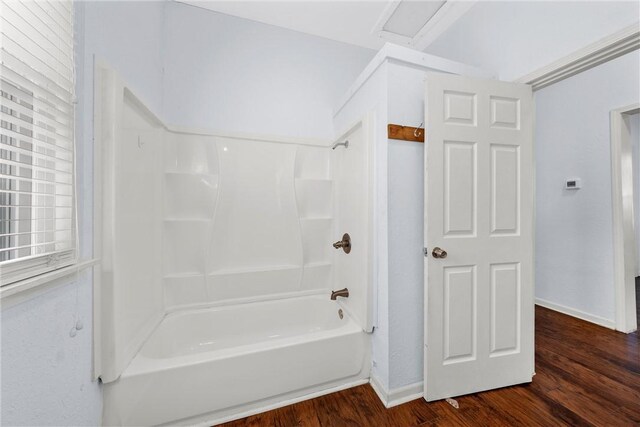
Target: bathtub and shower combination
219	257
218	360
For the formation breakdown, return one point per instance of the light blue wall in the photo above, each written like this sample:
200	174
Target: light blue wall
514	38
46	373
574	228
231	74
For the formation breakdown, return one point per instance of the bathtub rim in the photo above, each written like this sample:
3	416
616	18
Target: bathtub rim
172	311
142	364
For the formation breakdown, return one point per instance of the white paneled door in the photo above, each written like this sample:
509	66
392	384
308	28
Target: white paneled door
478	235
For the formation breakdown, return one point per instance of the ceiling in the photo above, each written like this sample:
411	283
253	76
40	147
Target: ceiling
361	23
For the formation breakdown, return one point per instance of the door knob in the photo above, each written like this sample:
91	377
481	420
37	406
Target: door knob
439	253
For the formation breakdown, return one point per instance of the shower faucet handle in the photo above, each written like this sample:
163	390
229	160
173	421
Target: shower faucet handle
345	243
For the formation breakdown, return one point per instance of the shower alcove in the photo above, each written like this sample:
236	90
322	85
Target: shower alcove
217	266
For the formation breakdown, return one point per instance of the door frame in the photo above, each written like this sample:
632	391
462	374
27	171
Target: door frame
624	245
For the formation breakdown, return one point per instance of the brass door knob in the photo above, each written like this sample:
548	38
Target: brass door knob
439	253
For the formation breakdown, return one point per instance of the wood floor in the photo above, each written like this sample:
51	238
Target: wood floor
586	375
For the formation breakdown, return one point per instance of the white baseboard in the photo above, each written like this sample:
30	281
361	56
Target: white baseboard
396	396
377	386
576	313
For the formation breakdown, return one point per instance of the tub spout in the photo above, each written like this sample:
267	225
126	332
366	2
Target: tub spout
341	293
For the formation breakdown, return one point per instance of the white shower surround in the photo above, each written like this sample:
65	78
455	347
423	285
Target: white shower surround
244	219
224	228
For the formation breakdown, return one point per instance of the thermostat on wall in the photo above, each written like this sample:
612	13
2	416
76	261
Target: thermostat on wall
573	184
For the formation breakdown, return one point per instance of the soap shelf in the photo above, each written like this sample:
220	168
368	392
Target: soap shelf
253	270
188	219
183	173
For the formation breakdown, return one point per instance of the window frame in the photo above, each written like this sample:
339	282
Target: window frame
14	272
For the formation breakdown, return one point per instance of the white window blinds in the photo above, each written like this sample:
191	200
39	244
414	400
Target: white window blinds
37	206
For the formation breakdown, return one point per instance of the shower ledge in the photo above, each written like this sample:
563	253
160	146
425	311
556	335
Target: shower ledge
254	269
187	219
207	174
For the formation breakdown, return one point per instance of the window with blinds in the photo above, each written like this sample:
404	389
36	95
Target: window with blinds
37	206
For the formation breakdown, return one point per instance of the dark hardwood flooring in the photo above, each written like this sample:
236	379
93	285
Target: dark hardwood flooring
586	376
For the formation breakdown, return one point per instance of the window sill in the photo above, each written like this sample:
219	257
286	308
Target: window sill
27	288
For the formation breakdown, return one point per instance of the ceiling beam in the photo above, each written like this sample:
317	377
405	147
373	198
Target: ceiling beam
448	14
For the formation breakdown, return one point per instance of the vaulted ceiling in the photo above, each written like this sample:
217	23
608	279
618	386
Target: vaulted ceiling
363	23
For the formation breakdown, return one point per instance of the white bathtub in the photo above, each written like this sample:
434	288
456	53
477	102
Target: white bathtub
212	365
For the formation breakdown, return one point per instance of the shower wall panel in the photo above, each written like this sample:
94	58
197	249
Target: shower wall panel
129	201
244	219
352	213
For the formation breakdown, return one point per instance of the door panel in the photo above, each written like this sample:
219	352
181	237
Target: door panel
479	209
460	314
505	189
505	308
459	188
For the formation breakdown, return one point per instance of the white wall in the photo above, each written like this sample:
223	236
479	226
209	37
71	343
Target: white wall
634	136
46	372
406	230
574	243
514	38
231	74
129	36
